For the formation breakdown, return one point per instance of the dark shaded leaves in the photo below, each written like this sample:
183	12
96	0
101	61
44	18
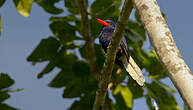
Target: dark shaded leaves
4	96
162	96
2	2
72	6
137	91
48	6
5	81
106	9
85	102
6	107
135	32
49	67
64	31
46	50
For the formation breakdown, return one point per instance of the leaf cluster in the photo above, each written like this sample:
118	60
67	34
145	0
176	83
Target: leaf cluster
5	82
65	50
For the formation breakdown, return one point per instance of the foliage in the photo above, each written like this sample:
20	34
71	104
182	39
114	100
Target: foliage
5	83
65	50
23	6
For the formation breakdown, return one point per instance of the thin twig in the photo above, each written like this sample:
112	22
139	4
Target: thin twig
87	37
111	53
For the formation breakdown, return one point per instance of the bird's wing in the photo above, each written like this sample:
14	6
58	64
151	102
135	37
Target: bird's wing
130	65
124	48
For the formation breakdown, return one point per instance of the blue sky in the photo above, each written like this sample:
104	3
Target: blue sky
21	35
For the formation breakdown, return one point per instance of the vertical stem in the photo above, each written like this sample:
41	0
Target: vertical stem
111	53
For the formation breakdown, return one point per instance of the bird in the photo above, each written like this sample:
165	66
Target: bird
123	57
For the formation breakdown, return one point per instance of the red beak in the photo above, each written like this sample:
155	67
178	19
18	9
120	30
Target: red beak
103	23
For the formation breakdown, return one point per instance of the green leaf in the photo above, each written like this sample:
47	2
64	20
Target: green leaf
125	93
4	96
136	90
49	67
81	69
68	18
137	17
155	69
135	32
85	102
6	107
72	6
74	88
162	96
107	9
48	6
67	74
149	103
5	81
166	87
2	2
24	6
64	31
100	56
46	50
61	79
120	103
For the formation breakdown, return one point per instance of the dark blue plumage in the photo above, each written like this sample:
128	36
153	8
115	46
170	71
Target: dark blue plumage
105	38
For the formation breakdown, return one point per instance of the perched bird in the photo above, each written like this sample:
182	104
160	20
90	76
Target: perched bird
123	58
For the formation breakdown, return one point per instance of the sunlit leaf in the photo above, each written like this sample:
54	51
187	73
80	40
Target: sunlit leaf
120	103
24	6
5	81
125	93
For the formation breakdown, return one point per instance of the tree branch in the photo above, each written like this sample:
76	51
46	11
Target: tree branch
87	37
165	47
111	53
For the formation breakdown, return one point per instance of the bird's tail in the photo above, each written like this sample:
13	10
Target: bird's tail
134	71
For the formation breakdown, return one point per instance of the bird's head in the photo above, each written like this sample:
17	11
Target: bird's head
105	23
